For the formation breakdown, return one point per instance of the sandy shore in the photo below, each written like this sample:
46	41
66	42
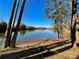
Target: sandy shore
47	49
36	43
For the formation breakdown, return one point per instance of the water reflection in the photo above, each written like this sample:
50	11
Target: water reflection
22	33
36	35
1	39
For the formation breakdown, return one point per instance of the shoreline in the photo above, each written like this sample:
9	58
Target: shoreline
35	42
49	45
30	42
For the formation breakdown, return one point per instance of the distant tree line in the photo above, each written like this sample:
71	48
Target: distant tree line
3	27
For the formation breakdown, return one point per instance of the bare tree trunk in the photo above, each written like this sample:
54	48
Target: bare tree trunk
73	23
7	34
58	29
17	26
61	29
58	34
73	31
15	18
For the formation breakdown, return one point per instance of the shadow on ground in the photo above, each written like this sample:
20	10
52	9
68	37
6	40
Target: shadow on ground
39	52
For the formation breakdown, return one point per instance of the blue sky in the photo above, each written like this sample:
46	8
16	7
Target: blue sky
34	12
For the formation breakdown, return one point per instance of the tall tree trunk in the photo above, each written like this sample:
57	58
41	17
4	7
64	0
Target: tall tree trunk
73	31
58	34
7	34
73	23
61	29
58	29
15	18
17	26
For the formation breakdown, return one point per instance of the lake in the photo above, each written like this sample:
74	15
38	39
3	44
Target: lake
34	35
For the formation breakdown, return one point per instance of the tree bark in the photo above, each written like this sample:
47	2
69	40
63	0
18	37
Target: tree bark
14	19
17	26
58	29
7	42
58	34
73	23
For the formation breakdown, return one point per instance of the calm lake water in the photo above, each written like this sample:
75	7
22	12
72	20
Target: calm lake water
34	35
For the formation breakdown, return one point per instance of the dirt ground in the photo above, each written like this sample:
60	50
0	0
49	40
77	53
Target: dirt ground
47	49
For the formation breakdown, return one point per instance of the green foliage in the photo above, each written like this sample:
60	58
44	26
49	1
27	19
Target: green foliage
2	35
3	27
53	28
22	32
